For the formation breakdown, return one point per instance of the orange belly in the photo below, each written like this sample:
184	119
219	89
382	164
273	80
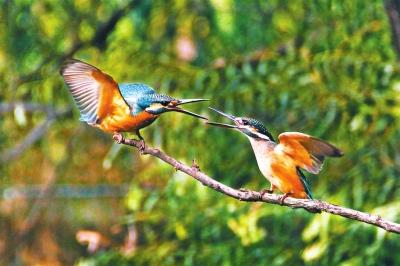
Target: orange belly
287	179
120	122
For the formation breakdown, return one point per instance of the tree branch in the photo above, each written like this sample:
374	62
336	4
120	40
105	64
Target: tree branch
36	133
313	206
100	37
99	40
28	107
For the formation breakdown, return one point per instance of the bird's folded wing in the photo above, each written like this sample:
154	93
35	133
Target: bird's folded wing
133	93
307	151
92	90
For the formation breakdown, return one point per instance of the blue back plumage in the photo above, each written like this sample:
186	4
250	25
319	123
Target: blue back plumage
134	93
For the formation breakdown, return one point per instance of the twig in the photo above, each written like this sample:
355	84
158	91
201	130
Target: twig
99	40
252	196
35	134
28	107
100	37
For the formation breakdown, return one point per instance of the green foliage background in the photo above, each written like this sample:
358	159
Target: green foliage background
326	68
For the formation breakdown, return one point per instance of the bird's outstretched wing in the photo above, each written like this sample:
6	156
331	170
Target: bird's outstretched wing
93	90
307	151
132	92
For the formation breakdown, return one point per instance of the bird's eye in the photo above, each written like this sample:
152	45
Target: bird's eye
164	103
246	123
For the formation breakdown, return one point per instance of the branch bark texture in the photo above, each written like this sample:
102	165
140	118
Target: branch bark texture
314	206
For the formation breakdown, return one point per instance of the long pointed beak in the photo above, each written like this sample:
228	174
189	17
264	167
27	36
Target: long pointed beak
231	117
185	101
220	124
180	110
175	107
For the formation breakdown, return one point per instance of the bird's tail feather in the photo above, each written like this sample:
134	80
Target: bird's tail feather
306	184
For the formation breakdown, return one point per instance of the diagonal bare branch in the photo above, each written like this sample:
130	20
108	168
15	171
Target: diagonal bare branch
314	206
99	40
6	107
36	133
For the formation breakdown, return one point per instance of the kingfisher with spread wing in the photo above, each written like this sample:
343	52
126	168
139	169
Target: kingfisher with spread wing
281	163
114	107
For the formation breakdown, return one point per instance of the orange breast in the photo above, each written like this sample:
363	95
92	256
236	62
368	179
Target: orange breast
114	113
288	181
121	120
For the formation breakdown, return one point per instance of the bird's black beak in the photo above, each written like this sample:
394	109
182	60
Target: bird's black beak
231	117
173	106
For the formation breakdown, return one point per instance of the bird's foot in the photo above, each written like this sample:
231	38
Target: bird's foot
195	165
266	191
118	138
284	196
141	146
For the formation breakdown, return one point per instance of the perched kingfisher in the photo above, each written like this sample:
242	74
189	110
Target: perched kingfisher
116	107
281	163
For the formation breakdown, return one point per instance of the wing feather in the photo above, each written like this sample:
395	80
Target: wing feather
308	152
87	84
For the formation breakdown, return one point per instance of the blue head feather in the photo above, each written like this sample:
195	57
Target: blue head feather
138	96
141	97
151	99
